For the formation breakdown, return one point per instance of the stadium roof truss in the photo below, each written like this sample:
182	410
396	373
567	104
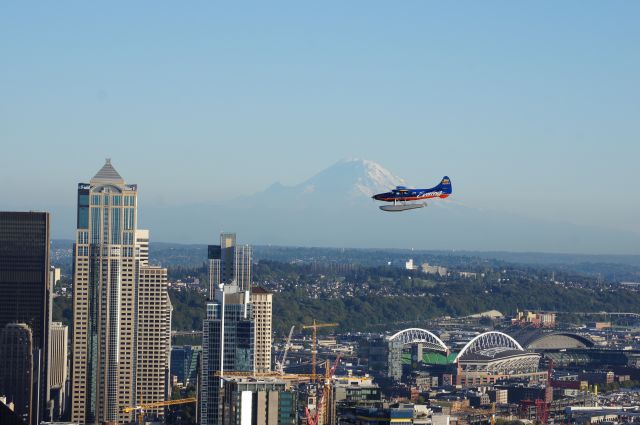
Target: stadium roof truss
490	344
507	366
422	336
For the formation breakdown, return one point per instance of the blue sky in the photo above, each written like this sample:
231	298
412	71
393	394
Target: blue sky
531	108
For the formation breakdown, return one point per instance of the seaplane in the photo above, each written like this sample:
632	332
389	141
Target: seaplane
405	199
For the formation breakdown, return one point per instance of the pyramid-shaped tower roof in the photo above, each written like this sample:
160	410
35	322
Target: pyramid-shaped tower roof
107	174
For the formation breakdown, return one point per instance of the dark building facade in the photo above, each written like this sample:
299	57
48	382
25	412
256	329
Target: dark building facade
16	375
25	291
184	361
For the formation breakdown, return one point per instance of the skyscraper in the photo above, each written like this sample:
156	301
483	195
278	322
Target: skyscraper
262	303
109	352
25	292
228	251
227	345
18	375
229	262
154	342
242	266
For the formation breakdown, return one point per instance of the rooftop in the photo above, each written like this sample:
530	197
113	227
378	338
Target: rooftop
259	290
107	174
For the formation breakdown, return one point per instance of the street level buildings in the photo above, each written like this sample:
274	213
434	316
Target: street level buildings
265	401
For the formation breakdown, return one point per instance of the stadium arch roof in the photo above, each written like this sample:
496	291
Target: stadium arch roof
418	335
489	344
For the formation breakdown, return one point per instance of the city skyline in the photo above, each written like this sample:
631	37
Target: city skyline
513	298
540	97
237	331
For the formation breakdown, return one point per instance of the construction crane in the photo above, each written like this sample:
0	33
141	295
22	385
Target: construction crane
321	408
159	404
250	374
286	350
314	340
143	407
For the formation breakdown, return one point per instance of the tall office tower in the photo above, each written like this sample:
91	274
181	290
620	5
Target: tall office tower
59	335
262	302
110	258
154	338
229	262
227	259
17	375
214	254
154	327
227	345
25	291
242	266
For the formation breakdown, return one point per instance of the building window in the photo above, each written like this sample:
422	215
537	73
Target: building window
83	217
116	226
128	219
95	225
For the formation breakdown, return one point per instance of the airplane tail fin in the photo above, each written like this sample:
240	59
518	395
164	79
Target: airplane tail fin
445	185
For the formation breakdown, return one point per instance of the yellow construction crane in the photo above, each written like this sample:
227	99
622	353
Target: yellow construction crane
314	341
249	374
143	407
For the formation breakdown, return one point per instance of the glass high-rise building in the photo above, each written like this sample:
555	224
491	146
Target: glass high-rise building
25	296
229	262
227	345
184	363
113	288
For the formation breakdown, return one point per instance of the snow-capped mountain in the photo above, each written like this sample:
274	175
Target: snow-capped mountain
334	208
349	179
357	176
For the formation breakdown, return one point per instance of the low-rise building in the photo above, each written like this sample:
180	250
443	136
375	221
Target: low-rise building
267	401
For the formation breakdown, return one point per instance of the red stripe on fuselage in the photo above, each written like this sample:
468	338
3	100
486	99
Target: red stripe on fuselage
414	198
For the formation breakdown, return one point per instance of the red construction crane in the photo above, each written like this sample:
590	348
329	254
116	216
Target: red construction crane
313	420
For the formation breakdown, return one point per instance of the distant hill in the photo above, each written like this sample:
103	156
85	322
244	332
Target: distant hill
612	268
